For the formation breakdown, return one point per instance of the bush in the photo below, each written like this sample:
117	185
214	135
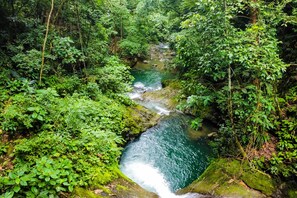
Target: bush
133	47
24	112
28	64
75	143
65	52
66	85
114	77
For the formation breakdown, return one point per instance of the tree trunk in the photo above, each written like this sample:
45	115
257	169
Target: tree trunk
230	103
80	34
121	23
45	40
254	13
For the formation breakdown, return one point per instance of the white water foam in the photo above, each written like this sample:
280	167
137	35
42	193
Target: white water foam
162	111
149	178
135	95
139	85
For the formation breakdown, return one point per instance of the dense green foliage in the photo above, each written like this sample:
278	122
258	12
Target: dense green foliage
63	112
74	142
233	68
63	120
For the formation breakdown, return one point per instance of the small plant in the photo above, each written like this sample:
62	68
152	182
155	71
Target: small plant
285	160
28	63
65	52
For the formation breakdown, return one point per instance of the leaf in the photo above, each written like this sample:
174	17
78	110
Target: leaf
23	183
53	182
34	115
9	194
70	188
34	190
16	188
17	180
31	109
40	118
59	188
29	194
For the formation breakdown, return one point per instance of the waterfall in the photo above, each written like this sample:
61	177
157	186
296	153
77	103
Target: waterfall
148	177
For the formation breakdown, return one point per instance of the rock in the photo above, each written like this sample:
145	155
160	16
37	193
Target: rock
137	120
167	96
145	61
98	191
231	178
125	188
119	188
212	134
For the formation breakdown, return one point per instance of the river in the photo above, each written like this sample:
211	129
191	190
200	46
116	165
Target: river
164	158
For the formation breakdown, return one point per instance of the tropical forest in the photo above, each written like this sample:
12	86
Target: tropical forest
148	98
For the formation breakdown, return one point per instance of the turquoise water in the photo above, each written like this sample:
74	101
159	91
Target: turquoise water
168	156
168	148
151	78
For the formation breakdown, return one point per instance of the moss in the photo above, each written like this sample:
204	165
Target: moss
259	181
138	119
10	149
167	96
292	193
121	188
125	188
84	193
235	189
173	83
225	177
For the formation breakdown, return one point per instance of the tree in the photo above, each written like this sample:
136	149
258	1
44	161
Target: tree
237	68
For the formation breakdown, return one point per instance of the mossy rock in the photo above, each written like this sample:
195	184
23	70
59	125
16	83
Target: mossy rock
137	120
84	193
236	189
259	181
124	188
168	96
231	178
119	188
173	83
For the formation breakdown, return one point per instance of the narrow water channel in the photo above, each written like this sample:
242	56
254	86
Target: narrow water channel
164	158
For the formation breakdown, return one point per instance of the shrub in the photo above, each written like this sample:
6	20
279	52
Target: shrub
132	47
114	77
77	143
28	64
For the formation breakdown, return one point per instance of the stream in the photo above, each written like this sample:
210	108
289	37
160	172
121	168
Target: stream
166	157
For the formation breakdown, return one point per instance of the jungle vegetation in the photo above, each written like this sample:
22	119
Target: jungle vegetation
64	70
